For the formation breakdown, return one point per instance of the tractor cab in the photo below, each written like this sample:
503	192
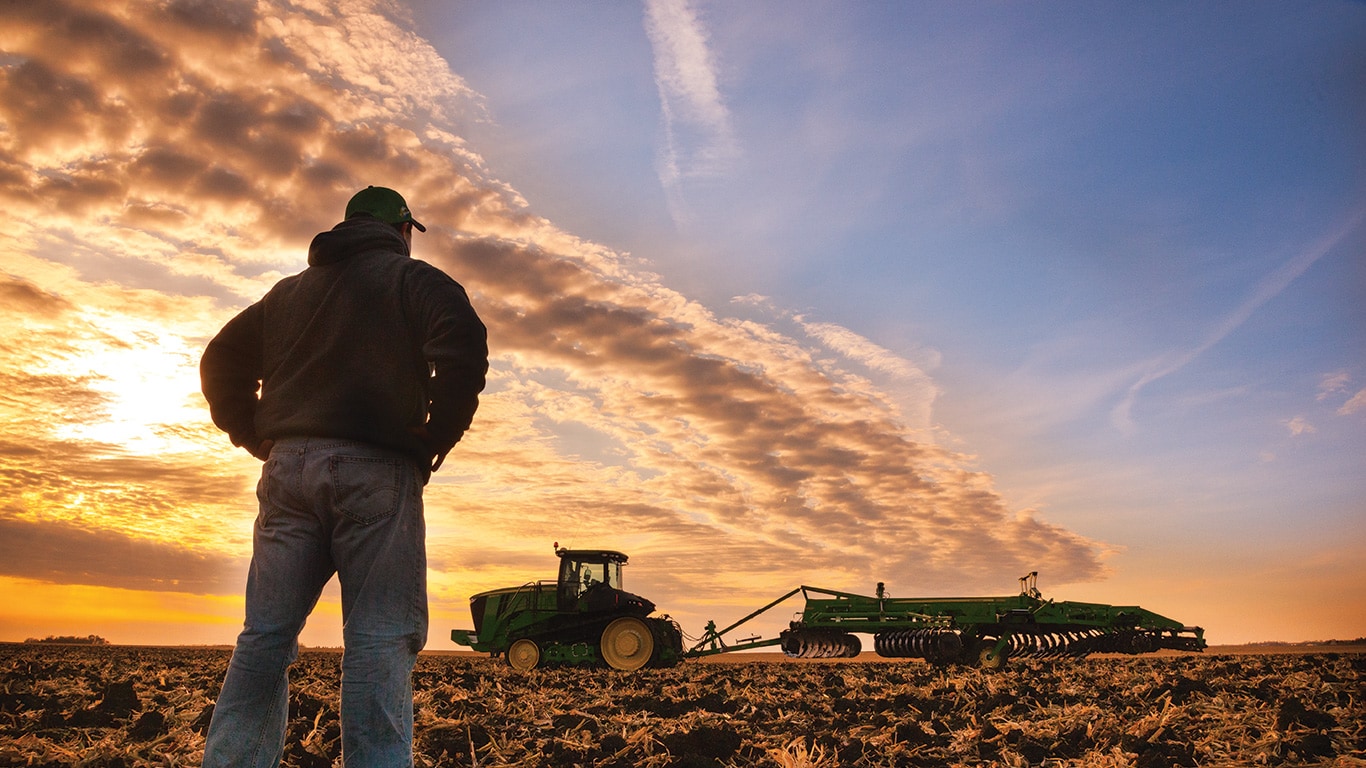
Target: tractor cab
585	573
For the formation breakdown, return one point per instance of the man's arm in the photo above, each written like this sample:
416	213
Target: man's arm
456	344
230	375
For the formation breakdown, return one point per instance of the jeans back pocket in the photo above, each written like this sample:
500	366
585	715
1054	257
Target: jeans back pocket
366	489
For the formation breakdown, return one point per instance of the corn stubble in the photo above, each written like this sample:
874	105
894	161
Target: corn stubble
122	707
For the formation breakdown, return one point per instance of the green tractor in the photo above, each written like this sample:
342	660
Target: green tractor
583	617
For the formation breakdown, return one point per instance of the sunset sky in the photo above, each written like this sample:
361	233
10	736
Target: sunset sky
778	293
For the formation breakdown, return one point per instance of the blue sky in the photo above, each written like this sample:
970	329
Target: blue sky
830	293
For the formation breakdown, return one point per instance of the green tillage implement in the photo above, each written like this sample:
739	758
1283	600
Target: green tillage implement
984	630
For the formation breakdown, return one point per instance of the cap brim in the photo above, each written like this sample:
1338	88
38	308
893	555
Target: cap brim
420	228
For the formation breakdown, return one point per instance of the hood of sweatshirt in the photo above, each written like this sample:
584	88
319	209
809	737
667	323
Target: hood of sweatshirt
359	234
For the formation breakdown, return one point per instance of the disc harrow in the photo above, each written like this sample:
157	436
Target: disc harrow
982	630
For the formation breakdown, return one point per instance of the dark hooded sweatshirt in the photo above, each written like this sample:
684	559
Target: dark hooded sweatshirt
365	344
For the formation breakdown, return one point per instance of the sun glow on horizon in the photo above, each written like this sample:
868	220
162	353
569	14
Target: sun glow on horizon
110	611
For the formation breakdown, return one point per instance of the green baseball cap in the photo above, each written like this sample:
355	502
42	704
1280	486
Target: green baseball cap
384	204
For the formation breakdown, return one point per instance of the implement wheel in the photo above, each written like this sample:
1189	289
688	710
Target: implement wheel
524	655
990	658
627	644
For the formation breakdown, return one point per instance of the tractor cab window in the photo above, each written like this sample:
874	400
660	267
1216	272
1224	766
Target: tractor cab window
578	576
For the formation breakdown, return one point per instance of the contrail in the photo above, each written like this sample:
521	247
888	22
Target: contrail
698	140
1268	288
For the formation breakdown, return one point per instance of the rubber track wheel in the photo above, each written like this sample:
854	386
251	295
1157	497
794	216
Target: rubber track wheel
627	644
524	655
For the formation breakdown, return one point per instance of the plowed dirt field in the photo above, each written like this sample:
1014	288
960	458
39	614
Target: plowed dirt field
121	707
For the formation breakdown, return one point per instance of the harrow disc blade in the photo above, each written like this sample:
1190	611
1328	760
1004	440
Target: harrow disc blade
929	644
819	644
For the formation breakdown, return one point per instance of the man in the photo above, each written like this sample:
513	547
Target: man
369	365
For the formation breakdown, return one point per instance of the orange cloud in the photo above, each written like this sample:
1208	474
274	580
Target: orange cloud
57	551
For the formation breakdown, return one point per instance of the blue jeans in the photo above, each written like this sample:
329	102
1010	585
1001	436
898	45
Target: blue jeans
330	506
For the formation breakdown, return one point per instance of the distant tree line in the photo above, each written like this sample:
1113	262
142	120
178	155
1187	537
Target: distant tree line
70	640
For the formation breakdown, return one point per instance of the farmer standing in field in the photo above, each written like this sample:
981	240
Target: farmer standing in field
369	365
